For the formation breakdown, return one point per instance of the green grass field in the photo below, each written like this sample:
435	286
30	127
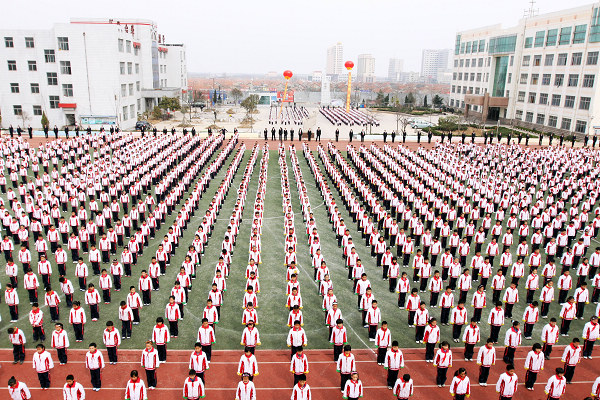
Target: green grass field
272	311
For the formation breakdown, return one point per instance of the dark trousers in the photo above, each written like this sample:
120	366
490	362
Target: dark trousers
494	332
530	378
565	326
38	333
381	351
445	315
343	379
429	351
419	332
95	378
62	355
588	348
78	329
469	350
392	376
441	376
174	328
528	330
484	373
126	329
18	352
508	309
162	352
401	299
337	350
569	371
94	313
106	295
456	329
545	309
208	351
509	355
44	378
151	377
112	354
547	349
146	298
136	314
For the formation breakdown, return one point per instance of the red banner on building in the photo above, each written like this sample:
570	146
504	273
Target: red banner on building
289	98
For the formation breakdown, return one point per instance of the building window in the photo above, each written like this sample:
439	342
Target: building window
9	42
519	114
67	89
509	78
128	46
478	77
546	79
123	90
588	80
139	105
580	126
29	43
453	89
462	63
32	65
480	62
531	97
556	100
14	88
576	58
552	121
535	78
63	43
37	110
528	42
551	37
569	101
132	111
559	79
130	68
137	69
539	39
52	78
49	56
573	80
472	75
125	117
18	110
565	35
525	62
592	58
528	117
35	88
543	98
521	97
477	90
549	60
137	86
131	89
12	65
565	124
540	119
53	101
562	59
523	80
65	67
122	68
537	60
136	51
584	103
579	34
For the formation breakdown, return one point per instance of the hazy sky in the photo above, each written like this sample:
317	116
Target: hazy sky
267	35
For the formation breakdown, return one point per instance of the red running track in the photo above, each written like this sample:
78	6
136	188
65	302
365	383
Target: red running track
275	381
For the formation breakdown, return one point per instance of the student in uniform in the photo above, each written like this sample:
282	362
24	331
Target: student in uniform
404	387
136	388
354	388
18	390
60	341
442	361
73	390
193	387
17	338
42	364
486	358
460	388
534	363
150	362
394	361
94	361
507	383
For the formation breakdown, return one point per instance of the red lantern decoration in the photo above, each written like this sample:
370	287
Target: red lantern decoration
287	74
349	65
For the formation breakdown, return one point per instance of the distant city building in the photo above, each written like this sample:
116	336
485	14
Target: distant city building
316	76
433	61
539	74
365	70
410	77
395	68
444	76
335	61
89	71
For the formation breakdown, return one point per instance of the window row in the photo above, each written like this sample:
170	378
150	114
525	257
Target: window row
555	100
37	110
565	123
67	88
562	59
127	68
127	89
559	80
65	66
567	35
9	42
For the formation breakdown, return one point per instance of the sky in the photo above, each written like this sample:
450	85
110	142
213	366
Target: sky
241	36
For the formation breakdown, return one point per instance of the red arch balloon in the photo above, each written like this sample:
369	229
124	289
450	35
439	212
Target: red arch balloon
349	65
287	74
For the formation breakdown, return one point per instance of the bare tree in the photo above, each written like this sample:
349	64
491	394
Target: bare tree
404	122
24	117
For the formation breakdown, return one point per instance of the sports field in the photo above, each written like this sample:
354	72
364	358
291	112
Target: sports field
272	312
